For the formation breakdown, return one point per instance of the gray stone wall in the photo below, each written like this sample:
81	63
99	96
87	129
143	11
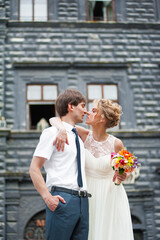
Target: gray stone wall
71	53
68	10
141	11
3	146
144	194
144	11
138	46
2	50
1	66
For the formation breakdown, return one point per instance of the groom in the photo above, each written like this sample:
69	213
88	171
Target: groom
65	190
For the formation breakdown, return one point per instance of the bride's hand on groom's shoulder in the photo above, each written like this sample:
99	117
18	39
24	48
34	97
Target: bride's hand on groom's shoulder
60	140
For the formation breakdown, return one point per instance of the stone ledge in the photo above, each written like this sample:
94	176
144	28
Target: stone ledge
30	134
64	64
17	176
4	132
85	24
3	20
136	134
140	192
20	134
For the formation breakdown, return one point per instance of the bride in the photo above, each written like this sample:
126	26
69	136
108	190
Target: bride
109	212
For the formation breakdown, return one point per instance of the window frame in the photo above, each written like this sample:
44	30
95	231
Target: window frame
33	6
102	91
113	12
40	101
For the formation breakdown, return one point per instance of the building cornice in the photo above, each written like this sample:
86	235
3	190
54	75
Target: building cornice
81	24
65	64
3	20
33	134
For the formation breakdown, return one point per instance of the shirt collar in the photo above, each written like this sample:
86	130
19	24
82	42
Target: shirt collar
68	126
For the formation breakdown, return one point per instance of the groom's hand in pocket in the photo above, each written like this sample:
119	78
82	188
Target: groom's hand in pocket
52	201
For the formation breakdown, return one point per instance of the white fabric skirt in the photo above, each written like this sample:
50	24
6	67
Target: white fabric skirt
109	211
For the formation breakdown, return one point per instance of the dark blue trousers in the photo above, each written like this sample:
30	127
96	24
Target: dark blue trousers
70	221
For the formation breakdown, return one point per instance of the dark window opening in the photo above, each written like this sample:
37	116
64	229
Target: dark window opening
135	220
98	11
137	228
39	112
138	234
101	10
41	100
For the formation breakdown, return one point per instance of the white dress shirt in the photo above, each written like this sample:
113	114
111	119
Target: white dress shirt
61	167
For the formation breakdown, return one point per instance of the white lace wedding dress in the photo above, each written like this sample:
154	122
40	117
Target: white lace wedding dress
109	210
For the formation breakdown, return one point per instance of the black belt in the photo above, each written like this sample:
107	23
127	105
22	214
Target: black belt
74	192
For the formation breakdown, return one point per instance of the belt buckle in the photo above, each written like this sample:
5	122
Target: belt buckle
85	193
80	193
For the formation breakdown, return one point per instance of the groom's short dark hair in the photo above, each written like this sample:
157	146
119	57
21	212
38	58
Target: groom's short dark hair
72	96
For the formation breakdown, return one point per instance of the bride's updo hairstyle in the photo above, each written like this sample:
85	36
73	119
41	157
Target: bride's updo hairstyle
111	111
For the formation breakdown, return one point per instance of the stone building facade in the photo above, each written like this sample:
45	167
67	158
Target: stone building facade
70	49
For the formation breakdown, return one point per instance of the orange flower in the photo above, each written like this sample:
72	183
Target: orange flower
126	154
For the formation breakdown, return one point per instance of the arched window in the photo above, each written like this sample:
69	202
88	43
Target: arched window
35	228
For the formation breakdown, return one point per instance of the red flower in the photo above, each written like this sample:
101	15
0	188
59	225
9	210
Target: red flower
113	154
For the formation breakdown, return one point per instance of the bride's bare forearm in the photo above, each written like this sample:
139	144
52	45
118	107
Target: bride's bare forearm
56	121
61	137
82	132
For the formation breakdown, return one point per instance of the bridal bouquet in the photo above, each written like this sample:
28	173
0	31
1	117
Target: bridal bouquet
123	161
